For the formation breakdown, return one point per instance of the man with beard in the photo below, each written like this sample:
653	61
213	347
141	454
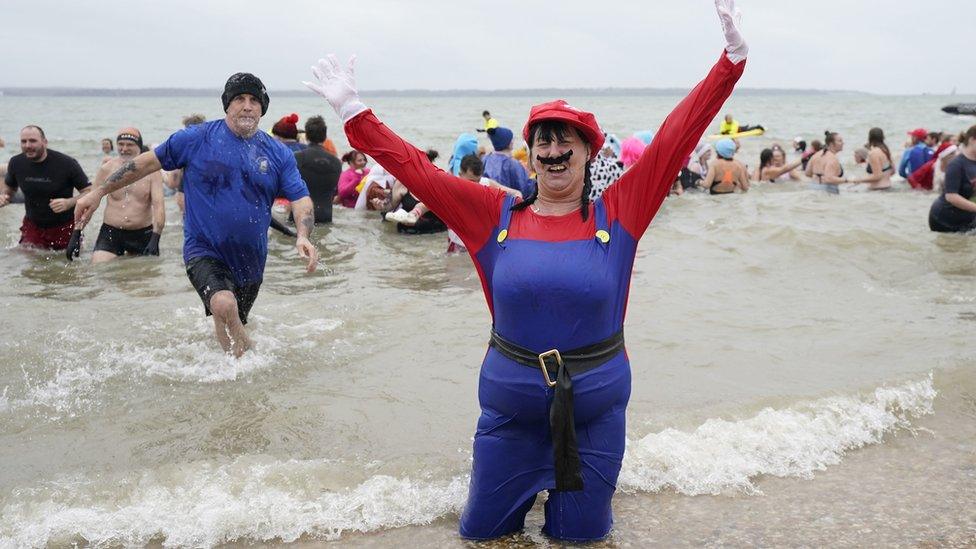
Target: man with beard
48	180
134	215
231	175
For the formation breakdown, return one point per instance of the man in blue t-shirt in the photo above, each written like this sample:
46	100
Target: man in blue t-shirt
232	173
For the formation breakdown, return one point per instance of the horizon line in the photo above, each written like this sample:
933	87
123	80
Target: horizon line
69	91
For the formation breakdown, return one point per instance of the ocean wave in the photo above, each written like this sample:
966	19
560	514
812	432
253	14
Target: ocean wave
722	456
202	505
259	498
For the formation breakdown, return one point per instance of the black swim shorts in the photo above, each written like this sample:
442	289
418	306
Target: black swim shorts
209	276
119	241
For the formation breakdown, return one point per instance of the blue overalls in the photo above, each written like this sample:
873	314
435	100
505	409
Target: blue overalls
550	295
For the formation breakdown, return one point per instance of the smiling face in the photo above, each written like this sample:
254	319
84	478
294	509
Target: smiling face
554	141
243	115
33	144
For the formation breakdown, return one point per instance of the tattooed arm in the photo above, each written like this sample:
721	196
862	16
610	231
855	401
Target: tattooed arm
301	210
130	172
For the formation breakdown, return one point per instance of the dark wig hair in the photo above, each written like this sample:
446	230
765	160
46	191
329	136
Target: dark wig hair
549	131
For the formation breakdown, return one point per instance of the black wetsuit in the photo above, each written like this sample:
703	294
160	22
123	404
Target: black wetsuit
321	171
689	179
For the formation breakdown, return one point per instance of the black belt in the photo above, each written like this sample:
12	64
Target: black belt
561	423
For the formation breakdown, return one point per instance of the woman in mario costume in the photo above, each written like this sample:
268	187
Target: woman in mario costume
555	269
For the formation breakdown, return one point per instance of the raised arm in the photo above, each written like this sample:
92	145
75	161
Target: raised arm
635	198
772	172
470	209
130	172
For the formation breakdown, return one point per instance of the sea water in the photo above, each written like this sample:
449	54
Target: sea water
803	368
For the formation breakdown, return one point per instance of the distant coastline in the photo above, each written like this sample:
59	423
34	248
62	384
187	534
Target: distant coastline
569	92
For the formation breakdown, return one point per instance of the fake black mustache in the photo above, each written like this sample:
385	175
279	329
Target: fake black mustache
555	160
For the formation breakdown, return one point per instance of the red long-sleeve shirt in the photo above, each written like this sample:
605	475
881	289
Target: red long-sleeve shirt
473	210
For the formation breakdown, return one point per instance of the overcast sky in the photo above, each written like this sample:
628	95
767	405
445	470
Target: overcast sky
896	46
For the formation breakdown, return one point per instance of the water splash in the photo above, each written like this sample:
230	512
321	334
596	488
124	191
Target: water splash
259	498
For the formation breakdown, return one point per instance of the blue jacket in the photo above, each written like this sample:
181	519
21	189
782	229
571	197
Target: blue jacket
913	159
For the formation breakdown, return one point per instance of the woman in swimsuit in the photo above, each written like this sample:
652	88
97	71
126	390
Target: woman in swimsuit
555	269
726	175
824	167
879	165
773	167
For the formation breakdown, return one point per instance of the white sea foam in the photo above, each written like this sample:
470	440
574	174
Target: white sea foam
77	377
721	456
203	504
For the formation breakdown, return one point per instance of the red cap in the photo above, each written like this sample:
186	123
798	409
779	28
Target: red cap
564	112
919	133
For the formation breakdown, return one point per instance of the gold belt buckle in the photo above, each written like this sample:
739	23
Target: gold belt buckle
542	364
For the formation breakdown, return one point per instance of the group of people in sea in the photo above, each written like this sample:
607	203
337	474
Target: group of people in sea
552	228
713	167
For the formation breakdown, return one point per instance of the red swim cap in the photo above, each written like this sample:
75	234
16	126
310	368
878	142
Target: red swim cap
564	112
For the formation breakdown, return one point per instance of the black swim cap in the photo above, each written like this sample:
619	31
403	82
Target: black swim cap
245	82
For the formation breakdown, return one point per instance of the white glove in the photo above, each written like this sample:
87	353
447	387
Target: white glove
338	86
735	47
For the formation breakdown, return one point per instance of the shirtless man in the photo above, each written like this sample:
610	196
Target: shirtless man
134	215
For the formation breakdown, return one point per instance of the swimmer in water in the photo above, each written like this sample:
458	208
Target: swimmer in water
824	166
726	175
134	215
954	210
878	163
228	210
774	169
